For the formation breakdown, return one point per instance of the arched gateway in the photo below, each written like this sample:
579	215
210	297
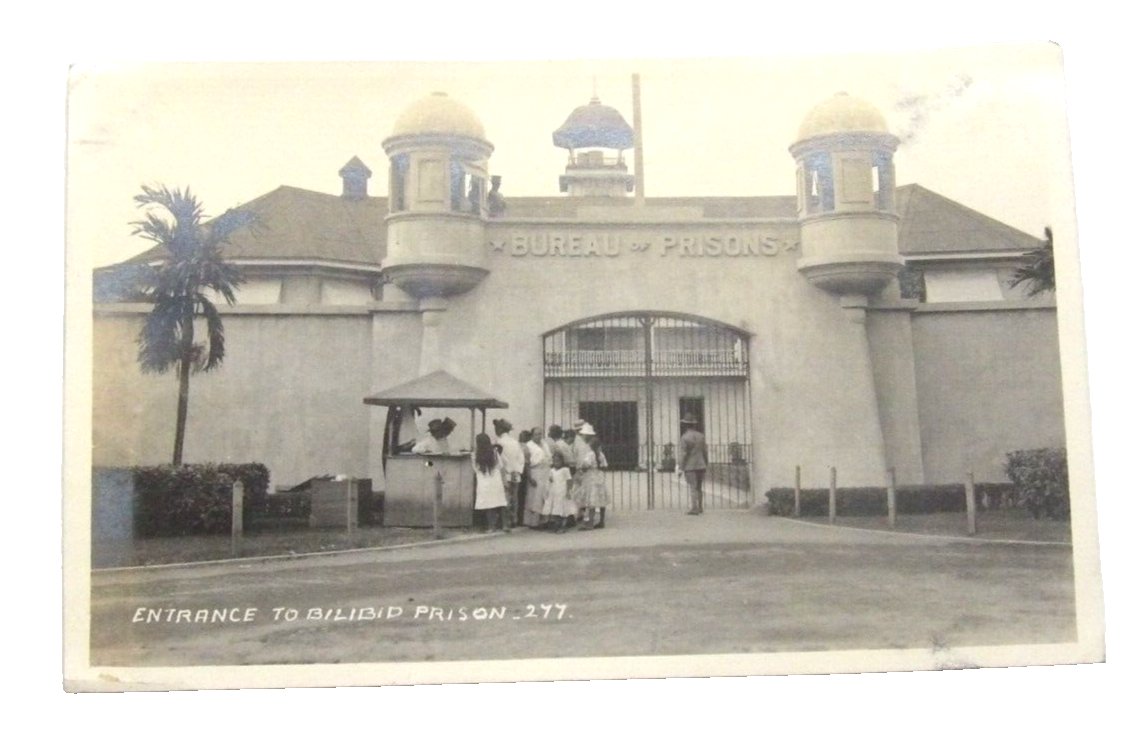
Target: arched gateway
633	376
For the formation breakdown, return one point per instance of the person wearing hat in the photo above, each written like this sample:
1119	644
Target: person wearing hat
692	460
590	488
512	455
436	443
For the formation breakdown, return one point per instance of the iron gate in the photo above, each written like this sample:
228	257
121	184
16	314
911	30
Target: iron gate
633	377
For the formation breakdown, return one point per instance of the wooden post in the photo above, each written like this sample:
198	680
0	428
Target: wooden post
237	493
350	508
797	491
970	502
438	501
891	475
832	494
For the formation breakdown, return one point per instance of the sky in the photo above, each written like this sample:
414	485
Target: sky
984	126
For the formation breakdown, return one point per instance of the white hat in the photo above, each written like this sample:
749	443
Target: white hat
586	430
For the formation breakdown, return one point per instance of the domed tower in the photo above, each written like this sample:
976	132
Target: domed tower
438	202
438	175
587	134
846	209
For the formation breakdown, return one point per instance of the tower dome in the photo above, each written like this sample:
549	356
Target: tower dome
594	125
439	114
842	114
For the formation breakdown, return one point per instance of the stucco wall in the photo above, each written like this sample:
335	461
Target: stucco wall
811	379
891	345
988	382
289	394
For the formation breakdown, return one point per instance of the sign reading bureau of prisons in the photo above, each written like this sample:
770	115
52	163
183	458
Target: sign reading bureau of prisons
845	331
591	244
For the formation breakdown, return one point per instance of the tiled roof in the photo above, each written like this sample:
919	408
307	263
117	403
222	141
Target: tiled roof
934	224
296	224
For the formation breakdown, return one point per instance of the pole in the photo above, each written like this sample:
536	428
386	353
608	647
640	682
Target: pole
649	390
970	502
891	474
797	491
237	493
438	501
350	508
637	119
832	494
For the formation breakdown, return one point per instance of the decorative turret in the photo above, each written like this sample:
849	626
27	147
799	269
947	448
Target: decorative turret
587	133
848	221
438	175
355	180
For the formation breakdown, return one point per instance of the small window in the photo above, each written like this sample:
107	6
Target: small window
398	174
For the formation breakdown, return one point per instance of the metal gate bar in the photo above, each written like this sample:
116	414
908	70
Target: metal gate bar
630	376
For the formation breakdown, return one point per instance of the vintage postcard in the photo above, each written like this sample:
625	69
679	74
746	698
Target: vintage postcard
432	372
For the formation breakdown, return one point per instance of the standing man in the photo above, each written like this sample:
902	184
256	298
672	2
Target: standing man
512	457
692	460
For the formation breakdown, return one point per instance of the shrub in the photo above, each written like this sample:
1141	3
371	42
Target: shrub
873	501
194	499
1041	481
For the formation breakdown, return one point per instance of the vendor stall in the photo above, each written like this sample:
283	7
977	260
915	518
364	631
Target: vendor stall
415	469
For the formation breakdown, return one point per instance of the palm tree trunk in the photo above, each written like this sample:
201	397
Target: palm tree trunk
181	416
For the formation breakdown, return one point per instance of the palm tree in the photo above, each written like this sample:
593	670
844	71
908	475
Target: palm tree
192	269
1039	268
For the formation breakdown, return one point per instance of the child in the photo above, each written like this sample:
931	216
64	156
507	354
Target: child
563	508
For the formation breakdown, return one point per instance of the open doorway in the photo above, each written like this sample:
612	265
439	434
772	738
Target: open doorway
616	424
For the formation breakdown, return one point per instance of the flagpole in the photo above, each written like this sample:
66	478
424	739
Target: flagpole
637	117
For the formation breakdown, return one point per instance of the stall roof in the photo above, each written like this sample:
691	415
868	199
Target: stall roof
436	390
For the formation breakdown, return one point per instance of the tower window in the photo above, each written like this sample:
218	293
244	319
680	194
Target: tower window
884	180
819	183
398	171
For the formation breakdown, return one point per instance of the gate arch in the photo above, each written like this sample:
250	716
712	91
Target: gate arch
633	376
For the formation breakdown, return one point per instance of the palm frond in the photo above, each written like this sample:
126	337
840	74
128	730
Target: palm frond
1038	273
215	339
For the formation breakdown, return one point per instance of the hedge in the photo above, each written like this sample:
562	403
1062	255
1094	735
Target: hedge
1041	481
195	499
873	501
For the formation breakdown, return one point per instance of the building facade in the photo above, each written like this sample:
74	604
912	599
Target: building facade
857	324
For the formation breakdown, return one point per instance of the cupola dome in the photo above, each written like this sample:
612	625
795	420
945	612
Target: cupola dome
439	114
594	125
842	114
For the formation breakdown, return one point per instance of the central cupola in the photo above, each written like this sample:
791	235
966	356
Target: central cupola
595	136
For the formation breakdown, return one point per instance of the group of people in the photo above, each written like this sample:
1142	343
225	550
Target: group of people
551	482
555	481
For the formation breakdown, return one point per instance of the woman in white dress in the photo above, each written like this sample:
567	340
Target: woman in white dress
539	469
489	483
590	487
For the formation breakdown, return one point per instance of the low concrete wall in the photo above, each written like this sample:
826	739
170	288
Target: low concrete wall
112	517
988	382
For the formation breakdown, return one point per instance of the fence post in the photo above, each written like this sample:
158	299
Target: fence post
832	494
438	500
797	491
970	502
892	493
350	509
237	494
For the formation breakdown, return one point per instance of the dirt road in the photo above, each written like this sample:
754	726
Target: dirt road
730	583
